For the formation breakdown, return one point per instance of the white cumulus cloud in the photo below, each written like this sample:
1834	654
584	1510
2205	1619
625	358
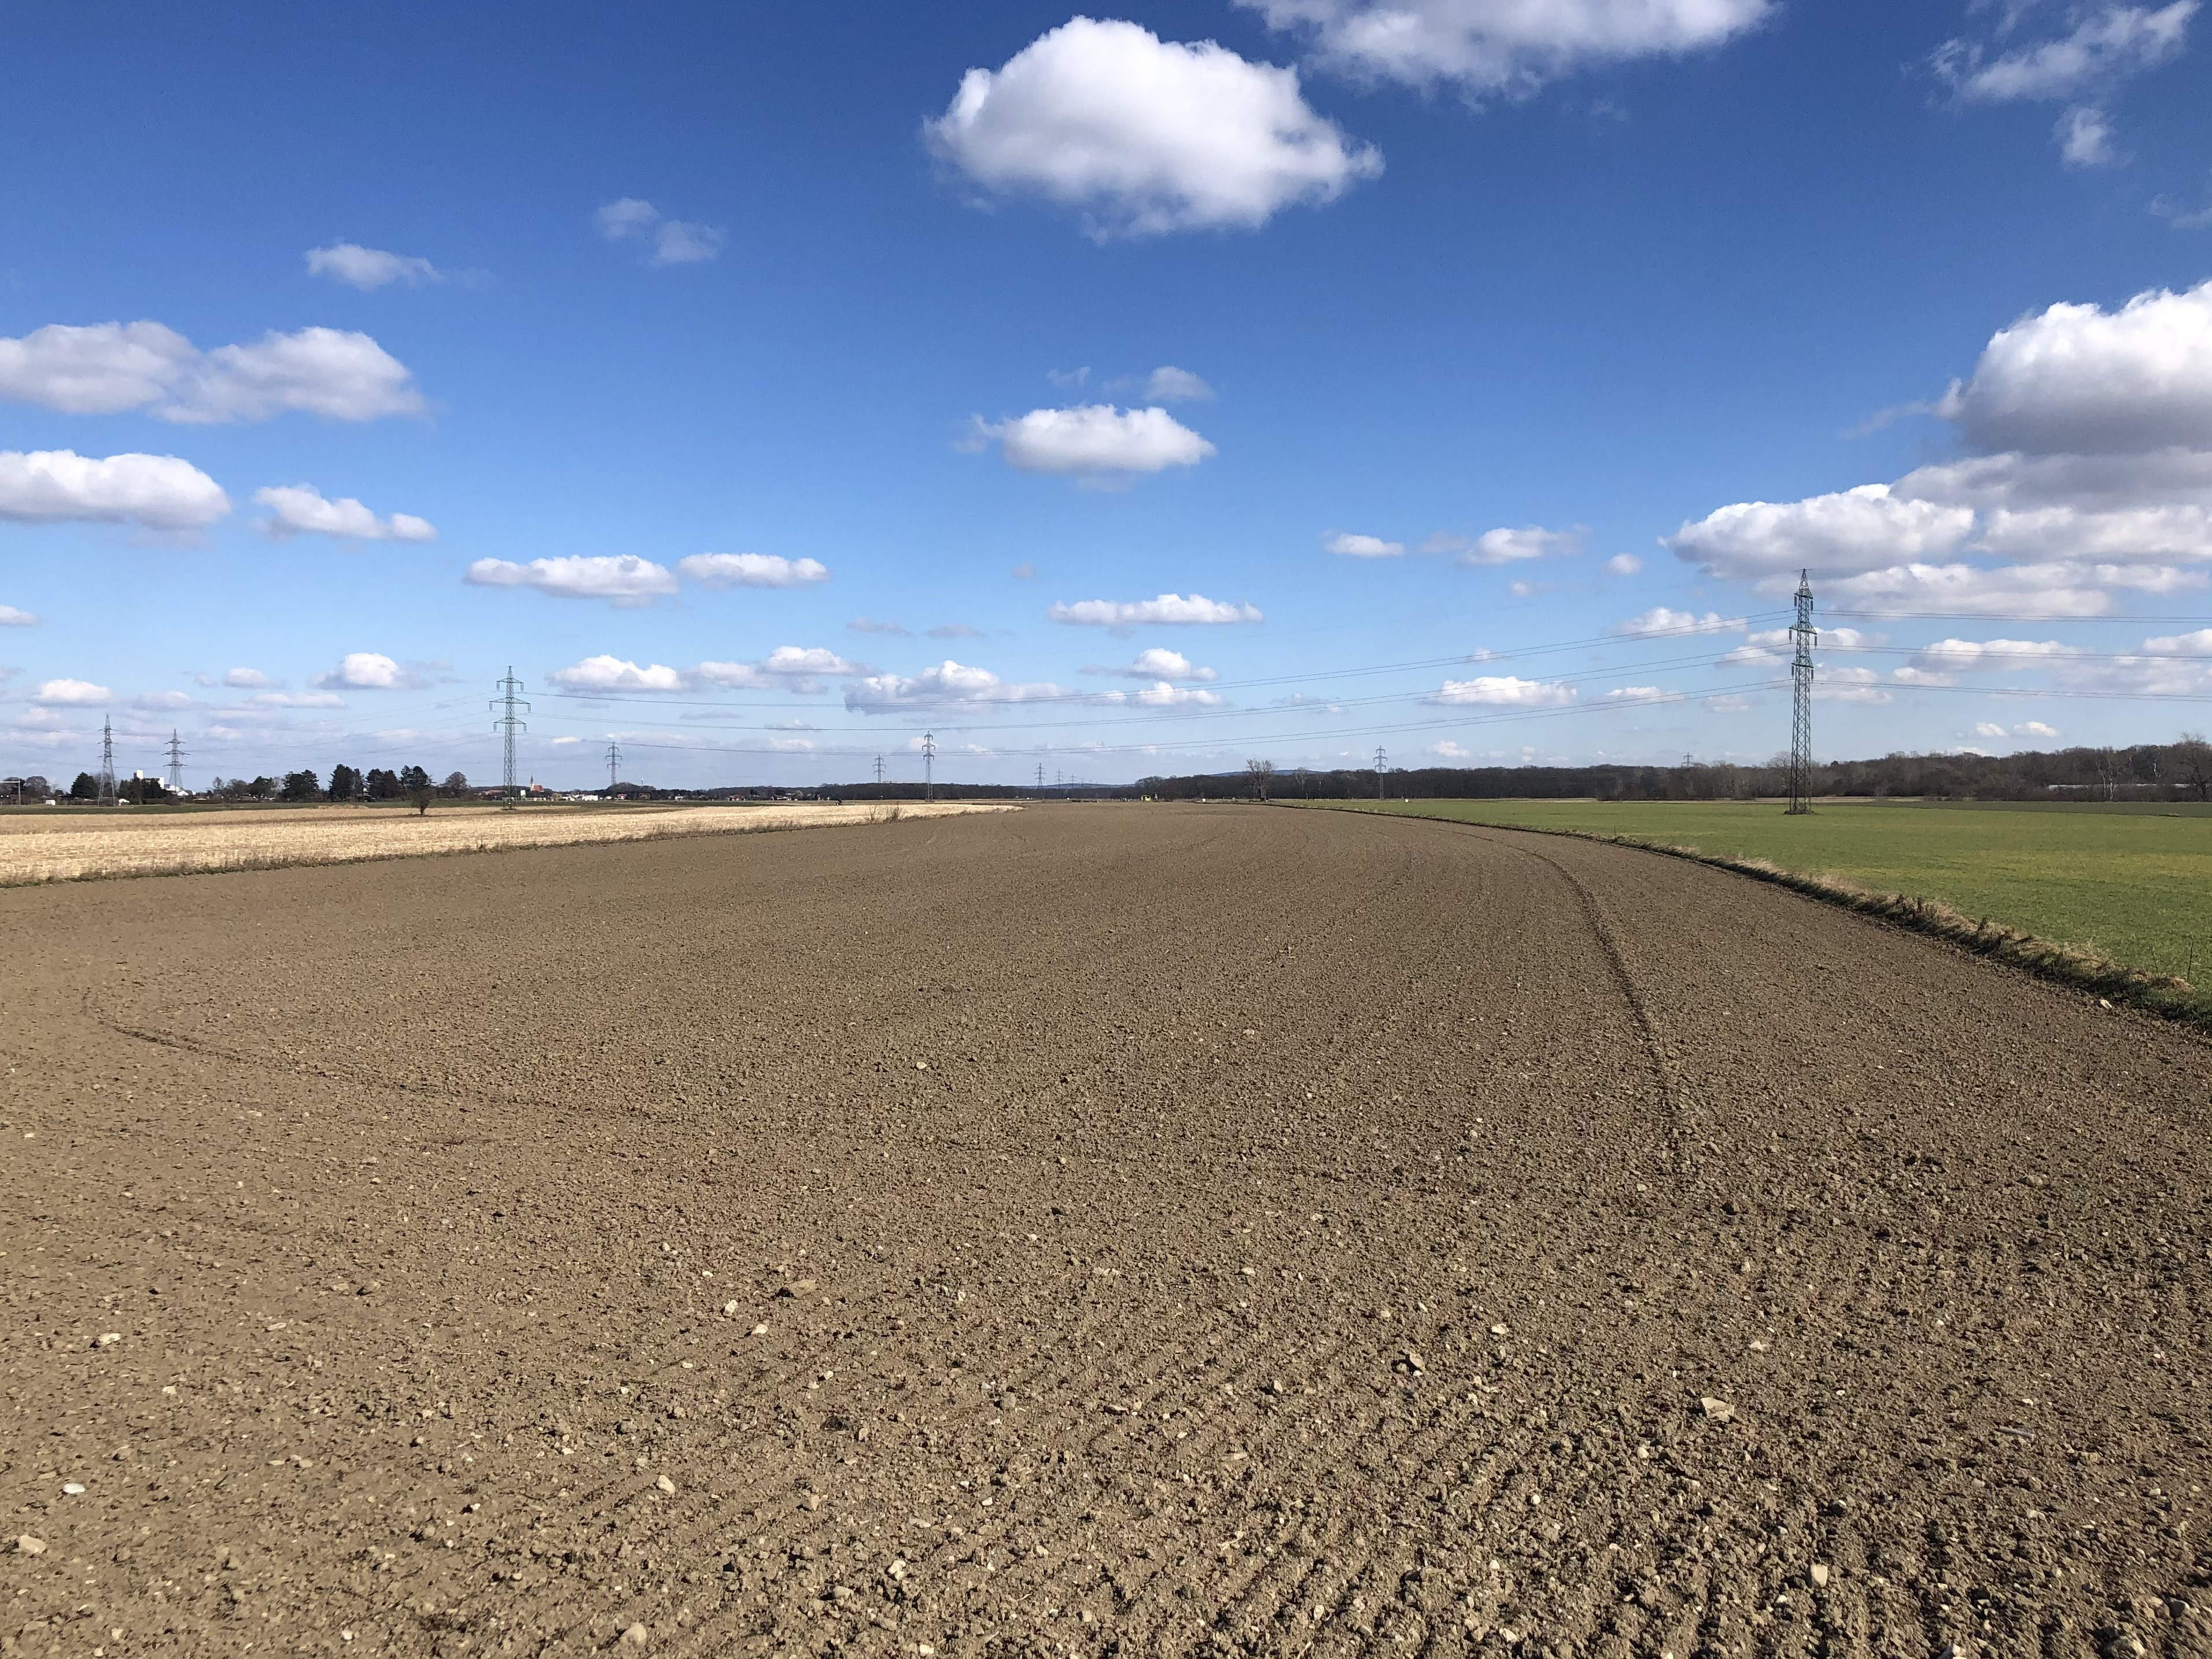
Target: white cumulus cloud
1509	46
63	693
1161	693
1867	528
1660	620
108	368
673	241
948	683
159	492
1635	694
301	509
1145	135
1172	609
12	617
1350	545
367	268
1093	441
2078	380
608	673
367	670
2094	474
721	570
1622	564
1511	546
786	668
624	578
1160	664
1503	690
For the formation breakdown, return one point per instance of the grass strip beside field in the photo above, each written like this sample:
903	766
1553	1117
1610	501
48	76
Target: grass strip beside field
181	845
2116	903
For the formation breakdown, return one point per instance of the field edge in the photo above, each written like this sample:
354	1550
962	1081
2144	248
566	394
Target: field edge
2164	995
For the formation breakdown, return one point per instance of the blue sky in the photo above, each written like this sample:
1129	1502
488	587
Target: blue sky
1061	352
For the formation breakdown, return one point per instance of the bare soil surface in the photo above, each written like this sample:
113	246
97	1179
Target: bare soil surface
1136	1230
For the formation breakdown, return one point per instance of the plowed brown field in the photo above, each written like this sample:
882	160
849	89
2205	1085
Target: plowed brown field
1141	1229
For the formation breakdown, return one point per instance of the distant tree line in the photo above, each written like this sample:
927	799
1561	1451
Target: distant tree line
2181	770
409	783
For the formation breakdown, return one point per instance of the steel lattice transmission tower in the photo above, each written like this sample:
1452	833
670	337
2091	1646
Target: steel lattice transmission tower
929	765
879	771
107	796
1382	765
614	764
505	705
1804	637
176	761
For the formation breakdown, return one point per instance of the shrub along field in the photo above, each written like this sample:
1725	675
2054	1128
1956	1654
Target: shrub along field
2131	883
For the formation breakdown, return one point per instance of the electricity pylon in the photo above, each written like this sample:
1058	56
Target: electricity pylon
929	765
505	705
1804	637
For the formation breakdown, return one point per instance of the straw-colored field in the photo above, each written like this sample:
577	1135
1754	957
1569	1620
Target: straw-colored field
87	845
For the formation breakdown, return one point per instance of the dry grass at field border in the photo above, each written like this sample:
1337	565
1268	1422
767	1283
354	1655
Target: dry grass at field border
2167	995
173	846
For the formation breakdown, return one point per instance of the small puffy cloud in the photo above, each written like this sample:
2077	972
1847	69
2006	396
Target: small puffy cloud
1953	657
870	625
1169	609
1026	571
2034	729
158	492
954	631
1160	664
264	700
66	693
1449	750
301	510
1503	690
2196	644
1850	685
673	241
1068	379
1506	546
1506	47
11	618
1170	385
1988	729
1162	695
1349	545
1093	441
108	368
163	701
948	683
1622	564
723	570
246	679
624	578
2085	138
786	668
2078	380
1145	135
368	671
1660	620
1635	694
2109	43
367	268
609	673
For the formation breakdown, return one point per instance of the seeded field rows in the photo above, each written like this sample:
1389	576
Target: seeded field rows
1125	1229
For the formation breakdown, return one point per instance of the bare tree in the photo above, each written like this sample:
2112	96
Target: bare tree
1262	774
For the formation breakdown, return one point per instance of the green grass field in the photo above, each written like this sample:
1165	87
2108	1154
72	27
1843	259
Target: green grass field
2132	883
